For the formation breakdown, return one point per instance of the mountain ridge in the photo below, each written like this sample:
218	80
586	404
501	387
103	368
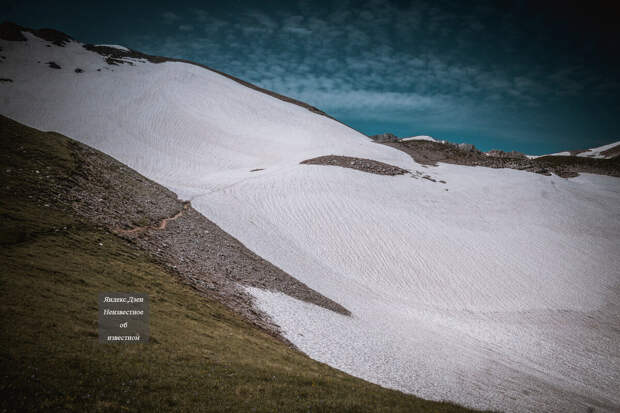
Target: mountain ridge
13	32
429	151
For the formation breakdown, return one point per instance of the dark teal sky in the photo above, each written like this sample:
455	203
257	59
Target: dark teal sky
522	76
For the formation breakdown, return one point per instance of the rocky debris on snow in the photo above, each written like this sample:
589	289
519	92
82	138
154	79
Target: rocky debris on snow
53	65
366	165
115	56
6	80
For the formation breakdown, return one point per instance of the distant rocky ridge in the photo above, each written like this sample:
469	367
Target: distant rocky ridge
430	152
609	151
385	137
389	137
497	153
612	152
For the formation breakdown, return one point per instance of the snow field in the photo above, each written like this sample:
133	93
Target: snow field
502	292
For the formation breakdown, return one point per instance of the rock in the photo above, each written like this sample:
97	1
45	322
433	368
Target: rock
385	137
497	153
466	147
366	165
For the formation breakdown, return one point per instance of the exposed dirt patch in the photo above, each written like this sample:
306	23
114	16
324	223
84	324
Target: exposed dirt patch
13	32
108	194
360	164
53	65
430	153
162	224
257	169
6	80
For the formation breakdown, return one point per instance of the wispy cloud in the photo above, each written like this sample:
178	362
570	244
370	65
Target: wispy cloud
170	17
381	59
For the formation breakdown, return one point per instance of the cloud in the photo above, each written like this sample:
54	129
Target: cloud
199	14
253	30
347	100
302	31
262	19
381	61
170	17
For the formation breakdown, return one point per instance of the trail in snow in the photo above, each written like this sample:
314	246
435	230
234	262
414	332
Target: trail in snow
162	224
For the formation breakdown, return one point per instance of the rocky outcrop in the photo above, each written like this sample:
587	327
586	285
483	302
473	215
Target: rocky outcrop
497	153
466	147
360	164
612	152
384	137
430	153
14	32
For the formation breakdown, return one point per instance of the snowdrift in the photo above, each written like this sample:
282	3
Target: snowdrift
601	152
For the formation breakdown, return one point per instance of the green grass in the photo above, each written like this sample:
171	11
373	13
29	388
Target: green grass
201	356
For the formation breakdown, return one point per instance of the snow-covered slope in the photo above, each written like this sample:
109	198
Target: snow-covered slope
114	46
418	138
499	289
601	152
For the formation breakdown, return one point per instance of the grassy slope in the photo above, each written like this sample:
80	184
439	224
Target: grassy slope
201	357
